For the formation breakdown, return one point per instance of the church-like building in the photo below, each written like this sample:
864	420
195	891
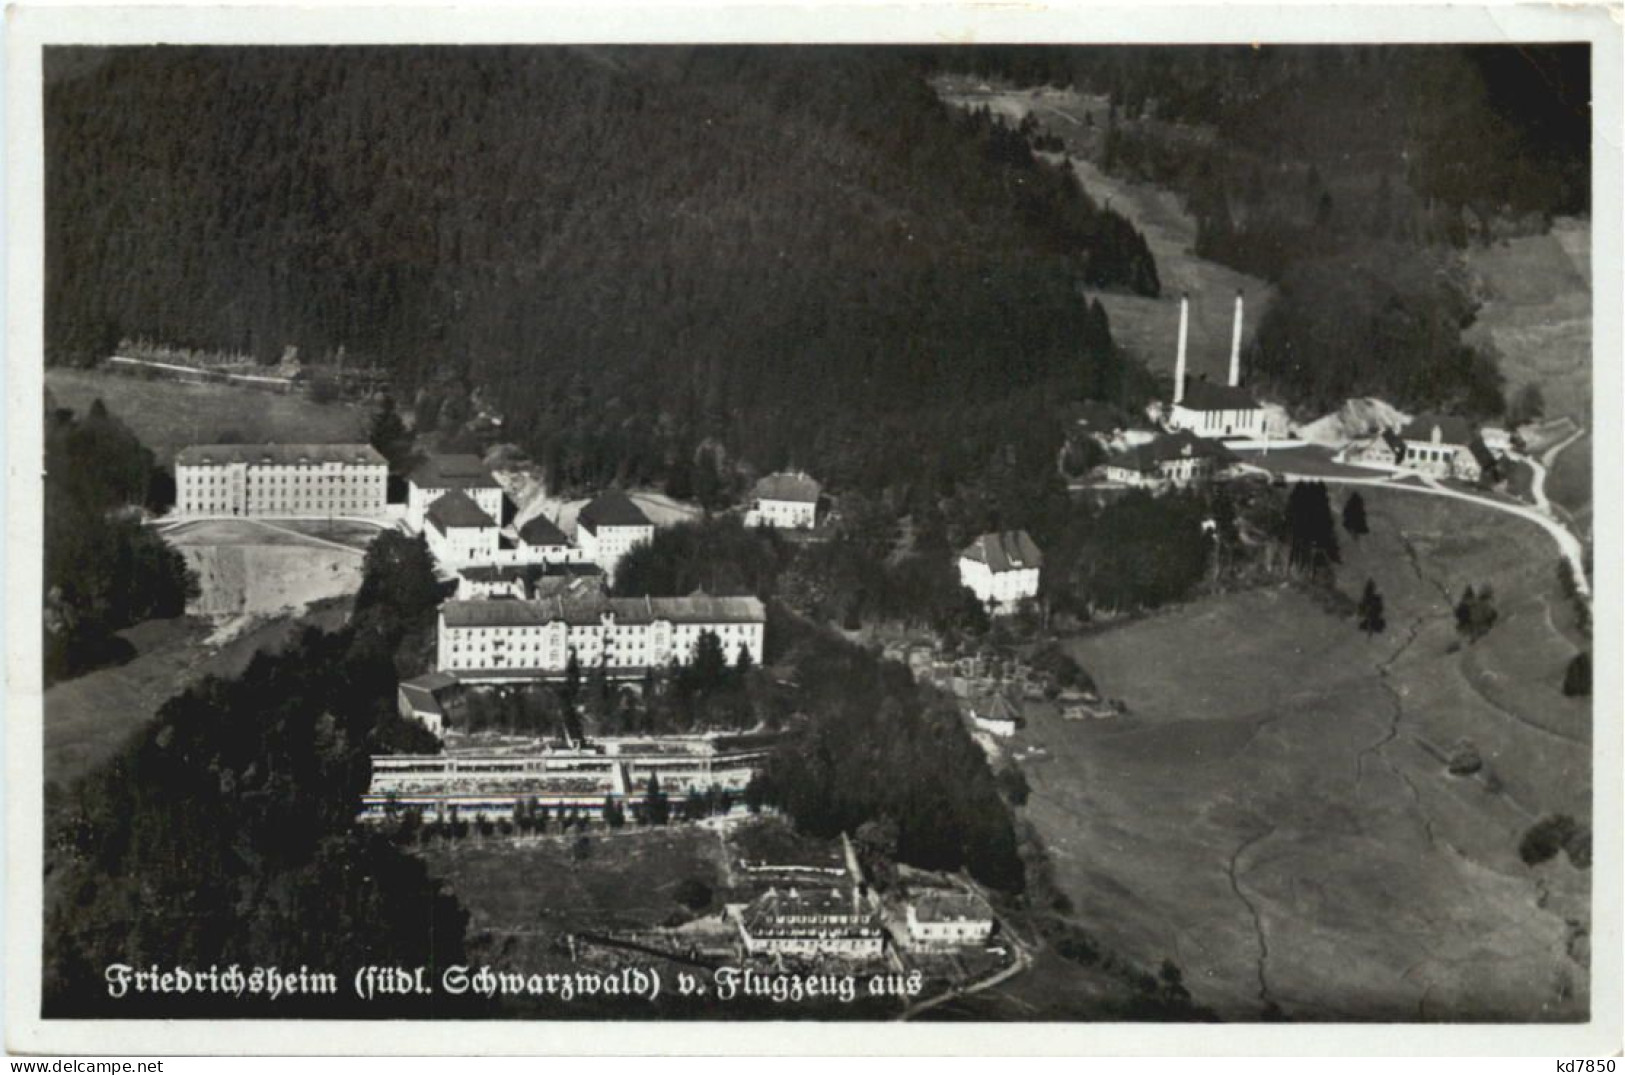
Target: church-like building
1226	411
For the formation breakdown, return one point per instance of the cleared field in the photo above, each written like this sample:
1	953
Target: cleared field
1149	328
1275	813
279	532
167	415
88	718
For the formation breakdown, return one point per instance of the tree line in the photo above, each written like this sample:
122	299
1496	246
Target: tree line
105	569
652	262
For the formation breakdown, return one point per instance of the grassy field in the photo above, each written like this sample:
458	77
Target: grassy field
1275	815
1537	318
626	880
90	717
167	415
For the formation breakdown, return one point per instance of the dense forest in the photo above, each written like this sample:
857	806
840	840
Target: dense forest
105	570
225	833
1350	177
781	254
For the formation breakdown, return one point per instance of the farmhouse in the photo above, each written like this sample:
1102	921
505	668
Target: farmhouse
280	480
817	922
442	474
506	641
944	919
611	526
785	501
1211	410
1439	446
459	531
1172	459
1001	569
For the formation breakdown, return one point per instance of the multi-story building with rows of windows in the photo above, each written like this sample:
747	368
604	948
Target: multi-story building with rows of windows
280	480
505	640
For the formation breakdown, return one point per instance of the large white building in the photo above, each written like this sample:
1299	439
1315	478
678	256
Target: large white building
610	527
281	480
1001	569
1212	410
784	501
442	474
505	641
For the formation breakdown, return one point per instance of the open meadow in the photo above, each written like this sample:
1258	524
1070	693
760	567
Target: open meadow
1276	813
89	717
168	415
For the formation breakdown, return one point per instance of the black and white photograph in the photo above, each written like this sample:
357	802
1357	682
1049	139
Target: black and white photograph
1100	529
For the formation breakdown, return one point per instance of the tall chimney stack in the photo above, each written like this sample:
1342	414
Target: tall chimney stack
1184	335
1235	345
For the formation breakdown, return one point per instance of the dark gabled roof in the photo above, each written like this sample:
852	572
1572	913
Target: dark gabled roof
1096	417
453	472
612	508
1170	446
431	681
1206	396
999	707
796	488
422	693
1011	550
496	572
541	532
281	455
1453	429
941	906
591	609
457	509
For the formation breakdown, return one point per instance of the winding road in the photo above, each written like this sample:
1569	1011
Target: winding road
1541	515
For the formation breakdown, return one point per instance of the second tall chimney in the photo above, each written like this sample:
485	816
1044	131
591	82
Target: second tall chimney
1235	345
1184	334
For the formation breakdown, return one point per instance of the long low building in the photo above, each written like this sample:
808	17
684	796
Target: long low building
506	641
580	778
281	480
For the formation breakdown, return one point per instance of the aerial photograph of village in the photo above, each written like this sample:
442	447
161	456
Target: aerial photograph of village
942	533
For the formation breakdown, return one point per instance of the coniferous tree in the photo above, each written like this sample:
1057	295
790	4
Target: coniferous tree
1577	677
1370	611
1354	520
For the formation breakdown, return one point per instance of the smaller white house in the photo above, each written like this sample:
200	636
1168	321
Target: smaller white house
942	919
493	581
442	474
1001	569
427	699
786	501
997	715
610	527
459	531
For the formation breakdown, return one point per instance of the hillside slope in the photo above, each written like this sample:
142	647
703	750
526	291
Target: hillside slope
629	250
